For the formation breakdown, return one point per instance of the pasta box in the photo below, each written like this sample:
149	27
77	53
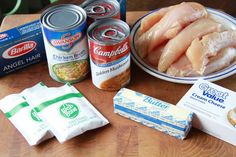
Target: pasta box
20	47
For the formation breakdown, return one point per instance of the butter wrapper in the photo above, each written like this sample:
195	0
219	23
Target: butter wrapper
153	113
214	109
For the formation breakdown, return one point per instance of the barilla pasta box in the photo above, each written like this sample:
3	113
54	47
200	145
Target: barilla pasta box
154	113
21	47
214	109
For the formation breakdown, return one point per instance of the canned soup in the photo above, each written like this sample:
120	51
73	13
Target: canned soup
109	50
64	31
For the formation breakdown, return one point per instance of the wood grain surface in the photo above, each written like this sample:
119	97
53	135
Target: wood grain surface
122	137
15	20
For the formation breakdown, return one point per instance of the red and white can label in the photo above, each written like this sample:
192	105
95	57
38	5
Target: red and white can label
109	61
103	55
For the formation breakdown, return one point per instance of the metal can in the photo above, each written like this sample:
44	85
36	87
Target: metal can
109	51
122	9
101	9
64	31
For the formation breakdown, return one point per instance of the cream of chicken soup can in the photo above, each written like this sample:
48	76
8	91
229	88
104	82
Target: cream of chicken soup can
64	32
109	50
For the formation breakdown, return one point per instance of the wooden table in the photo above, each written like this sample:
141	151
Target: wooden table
122	137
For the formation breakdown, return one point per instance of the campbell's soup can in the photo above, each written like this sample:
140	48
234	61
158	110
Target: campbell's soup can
101	9
109	50
64	32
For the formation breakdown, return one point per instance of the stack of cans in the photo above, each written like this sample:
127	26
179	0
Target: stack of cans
64	30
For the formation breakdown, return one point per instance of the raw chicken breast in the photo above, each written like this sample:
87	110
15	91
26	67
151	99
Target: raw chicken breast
154	57
151	19
200	50
179	44
183	66
223	59
170	25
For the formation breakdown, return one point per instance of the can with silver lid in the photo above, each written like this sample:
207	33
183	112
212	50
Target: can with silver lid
109	50
64	31
101	9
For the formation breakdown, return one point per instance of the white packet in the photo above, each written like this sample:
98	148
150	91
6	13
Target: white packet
66	111
25	119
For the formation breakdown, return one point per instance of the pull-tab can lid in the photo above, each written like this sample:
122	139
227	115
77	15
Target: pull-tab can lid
108	31
101	9
113	34
97	9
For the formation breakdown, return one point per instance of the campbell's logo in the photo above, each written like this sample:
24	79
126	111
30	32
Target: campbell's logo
2	36
19	49
66	40
120	50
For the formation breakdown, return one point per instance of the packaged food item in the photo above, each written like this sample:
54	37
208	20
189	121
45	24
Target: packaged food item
214	109
109	50
102	9
64	30
122	9
153	113
20	47
25	119
66	111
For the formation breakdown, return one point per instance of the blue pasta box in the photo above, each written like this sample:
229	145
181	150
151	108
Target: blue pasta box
20	47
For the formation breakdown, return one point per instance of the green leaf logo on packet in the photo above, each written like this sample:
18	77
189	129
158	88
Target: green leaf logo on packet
69	110
35	116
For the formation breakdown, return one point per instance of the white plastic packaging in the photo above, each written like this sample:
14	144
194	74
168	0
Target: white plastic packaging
66	111
25	119
214	109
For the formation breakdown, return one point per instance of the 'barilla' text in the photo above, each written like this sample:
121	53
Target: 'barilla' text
19	49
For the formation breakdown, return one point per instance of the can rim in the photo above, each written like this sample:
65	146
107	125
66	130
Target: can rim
81	16
115	2
104	21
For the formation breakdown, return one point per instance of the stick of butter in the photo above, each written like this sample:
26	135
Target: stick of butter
153	113
214	109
